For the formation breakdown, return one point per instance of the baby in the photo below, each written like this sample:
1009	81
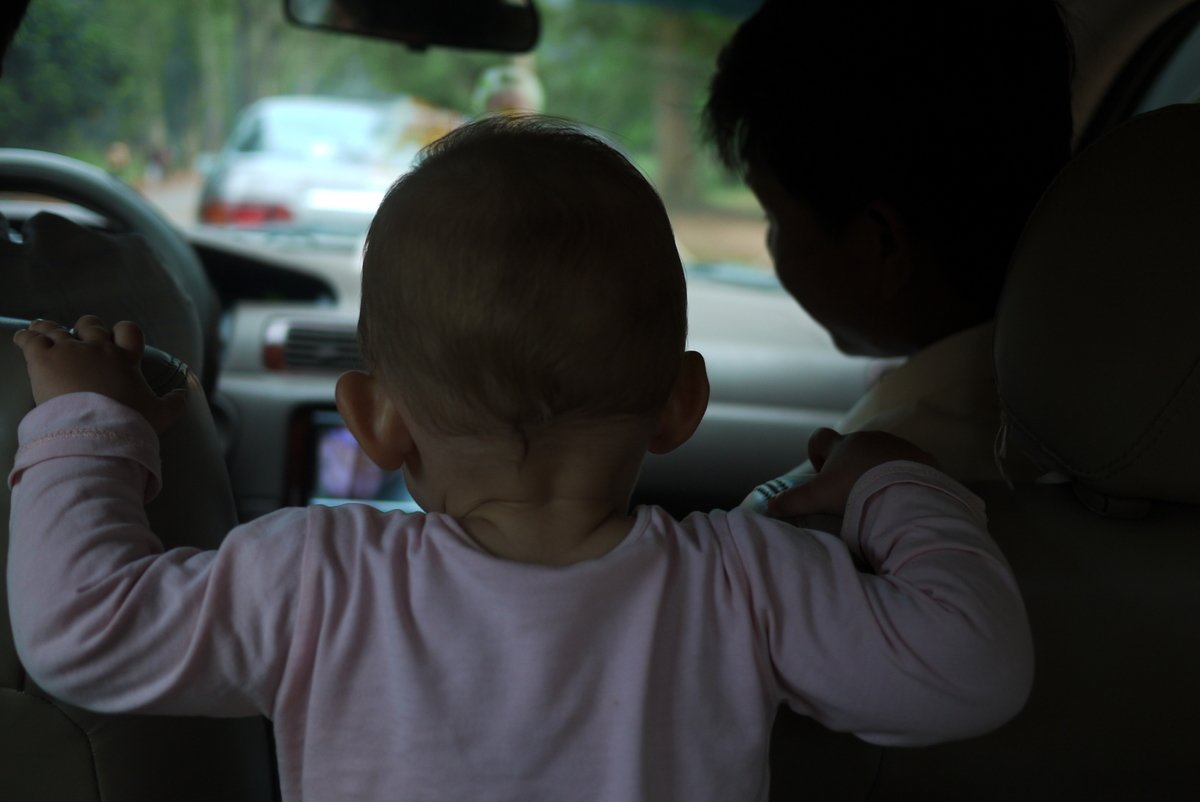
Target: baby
529	636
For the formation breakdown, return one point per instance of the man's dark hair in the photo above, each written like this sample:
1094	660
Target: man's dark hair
957	113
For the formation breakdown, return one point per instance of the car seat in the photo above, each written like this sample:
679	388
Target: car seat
1097	360
56	752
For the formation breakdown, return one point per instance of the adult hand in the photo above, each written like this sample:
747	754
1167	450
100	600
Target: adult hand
840	460
95	359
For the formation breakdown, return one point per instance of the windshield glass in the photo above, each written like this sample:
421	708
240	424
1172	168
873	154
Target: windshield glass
315	131
184	99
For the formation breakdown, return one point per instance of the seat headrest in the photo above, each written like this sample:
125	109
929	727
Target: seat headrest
1097	350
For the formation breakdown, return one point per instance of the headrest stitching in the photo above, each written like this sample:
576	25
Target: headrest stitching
1153	431
1000	448
1159	424
1013	421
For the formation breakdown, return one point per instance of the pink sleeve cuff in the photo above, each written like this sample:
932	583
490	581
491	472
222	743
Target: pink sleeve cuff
87	425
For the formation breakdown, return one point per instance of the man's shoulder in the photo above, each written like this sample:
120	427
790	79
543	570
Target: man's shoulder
943	399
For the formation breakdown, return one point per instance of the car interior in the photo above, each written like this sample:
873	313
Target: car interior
1097	360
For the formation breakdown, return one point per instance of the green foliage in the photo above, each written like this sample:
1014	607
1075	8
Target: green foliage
85	73
63	66
596	56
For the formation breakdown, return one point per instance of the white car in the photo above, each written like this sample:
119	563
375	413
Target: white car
314	163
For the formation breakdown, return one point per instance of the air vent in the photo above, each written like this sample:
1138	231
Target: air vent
290	345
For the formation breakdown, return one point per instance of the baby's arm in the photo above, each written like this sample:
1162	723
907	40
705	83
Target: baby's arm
841	460
95	359
101	615
929	643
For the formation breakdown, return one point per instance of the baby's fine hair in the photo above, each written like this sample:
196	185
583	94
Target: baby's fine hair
523	273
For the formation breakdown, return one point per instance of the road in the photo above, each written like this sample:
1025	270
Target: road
178	197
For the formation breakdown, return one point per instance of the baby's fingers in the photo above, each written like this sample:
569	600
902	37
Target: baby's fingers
49	330
91	329
43	326
41	335
128	336
29	341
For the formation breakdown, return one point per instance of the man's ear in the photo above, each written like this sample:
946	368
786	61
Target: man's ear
685	406
373	419
889	238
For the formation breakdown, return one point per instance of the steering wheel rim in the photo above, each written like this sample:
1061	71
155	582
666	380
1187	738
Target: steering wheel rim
57	176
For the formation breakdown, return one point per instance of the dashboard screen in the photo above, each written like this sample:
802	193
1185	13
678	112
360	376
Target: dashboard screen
342	472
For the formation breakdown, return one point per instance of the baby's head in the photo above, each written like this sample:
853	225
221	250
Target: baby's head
523	274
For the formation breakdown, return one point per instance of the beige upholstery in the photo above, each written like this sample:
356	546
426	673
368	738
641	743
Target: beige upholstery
1098	343
59	753
1098	367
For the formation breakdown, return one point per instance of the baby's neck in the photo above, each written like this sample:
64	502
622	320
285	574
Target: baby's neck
555	533
561	498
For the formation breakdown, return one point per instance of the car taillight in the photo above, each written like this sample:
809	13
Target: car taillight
244	214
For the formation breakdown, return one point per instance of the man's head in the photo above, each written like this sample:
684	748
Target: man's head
522	274
920	131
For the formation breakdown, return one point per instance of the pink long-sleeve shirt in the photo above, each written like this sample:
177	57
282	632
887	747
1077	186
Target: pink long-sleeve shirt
399	660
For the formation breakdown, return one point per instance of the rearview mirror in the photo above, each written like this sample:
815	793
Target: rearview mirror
506	26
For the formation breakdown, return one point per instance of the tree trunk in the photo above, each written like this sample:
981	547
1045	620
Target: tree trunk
673	117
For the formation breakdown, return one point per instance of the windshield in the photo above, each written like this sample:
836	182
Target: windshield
182	99
311	131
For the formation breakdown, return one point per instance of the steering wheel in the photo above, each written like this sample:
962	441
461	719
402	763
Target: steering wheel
86	185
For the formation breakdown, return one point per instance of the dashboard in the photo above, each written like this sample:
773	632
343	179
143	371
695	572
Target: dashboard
289	311
288	332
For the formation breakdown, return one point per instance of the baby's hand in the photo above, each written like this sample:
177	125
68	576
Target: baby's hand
840	460
97	360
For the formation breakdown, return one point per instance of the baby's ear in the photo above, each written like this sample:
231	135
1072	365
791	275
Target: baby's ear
373	419
685	406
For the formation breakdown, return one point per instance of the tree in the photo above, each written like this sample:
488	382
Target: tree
596	57
76	80
62	66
